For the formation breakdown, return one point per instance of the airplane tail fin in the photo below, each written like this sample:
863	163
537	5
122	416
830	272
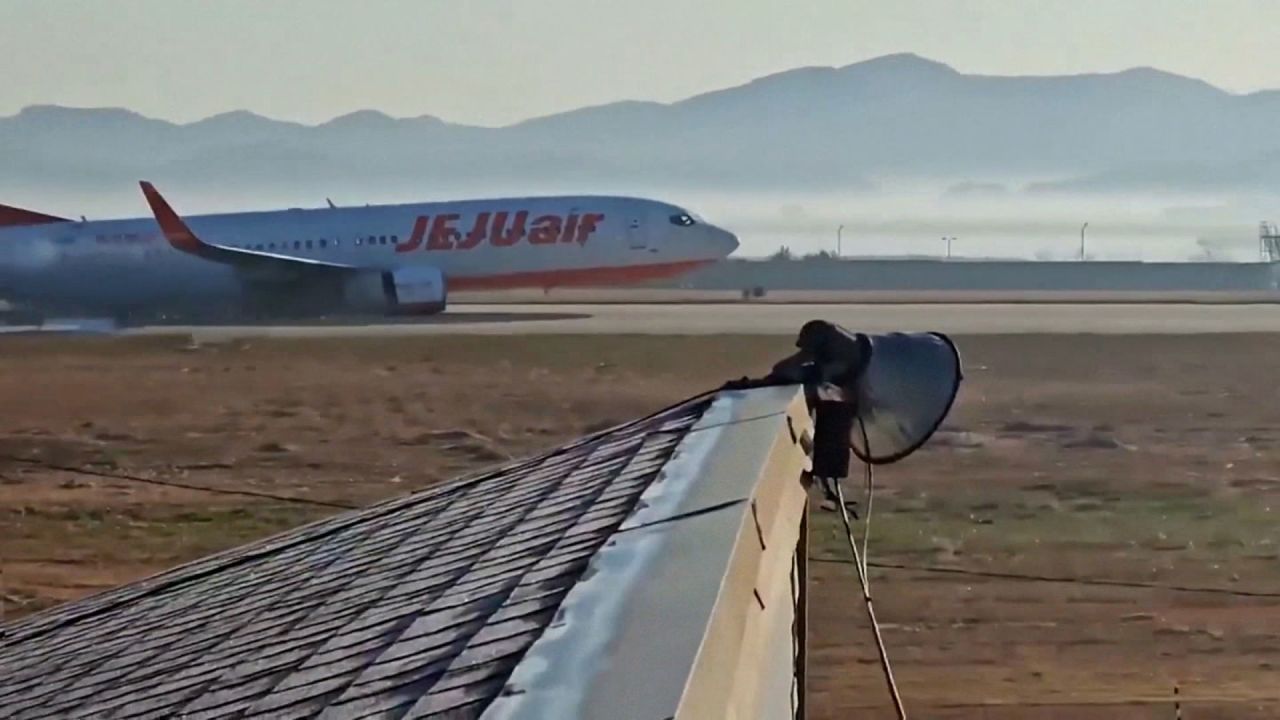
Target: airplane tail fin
14	217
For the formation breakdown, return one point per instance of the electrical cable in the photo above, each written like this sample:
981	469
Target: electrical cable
1063	579
220	562
482	475
870	492
169	483
859	564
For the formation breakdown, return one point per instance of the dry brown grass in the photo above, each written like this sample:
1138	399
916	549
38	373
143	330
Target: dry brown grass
628	295
1133	458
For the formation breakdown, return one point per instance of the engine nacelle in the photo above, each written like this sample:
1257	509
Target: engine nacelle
416	290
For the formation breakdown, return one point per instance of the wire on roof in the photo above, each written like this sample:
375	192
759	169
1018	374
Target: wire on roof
481	475
35	462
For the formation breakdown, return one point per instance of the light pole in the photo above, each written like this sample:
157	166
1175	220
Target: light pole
839	241
1082	228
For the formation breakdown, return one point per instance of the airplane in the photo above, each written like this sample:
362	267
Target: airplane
377	259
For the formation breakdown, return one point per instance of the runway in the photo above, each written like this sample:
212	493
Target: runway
786	319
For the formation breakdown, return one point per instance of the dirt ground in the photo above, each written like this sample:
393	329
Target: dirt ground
684	296
1142	459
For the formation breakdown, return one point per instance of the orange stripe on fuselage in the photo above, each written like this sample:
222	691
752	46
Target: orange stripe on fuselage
584	277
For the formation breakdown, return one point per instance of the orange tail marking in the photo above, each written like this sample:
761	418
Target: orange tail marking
174	229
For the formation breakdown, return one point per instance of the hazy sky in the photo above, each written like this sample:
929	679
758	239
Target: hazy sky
493	62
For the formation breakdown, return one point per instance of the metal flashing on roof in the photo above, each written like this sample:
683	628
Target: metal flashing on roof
647	571
684	599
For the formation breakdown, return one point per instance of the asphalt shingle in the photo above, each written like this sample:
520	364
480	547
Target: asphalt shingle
417	607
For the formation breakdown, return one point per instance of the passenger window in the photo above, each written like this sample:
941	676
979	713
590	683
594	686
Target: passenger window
297	244
358	240
382	240
395	239
309	246
272	246
323	243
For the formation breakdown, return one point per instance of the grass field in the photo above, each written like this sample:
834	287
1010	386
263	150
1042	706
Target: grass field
1144	459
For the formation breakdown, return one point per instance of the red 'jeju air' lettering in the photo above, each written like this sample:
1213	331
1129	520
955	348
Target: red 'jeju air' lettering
501	229
415	239
479	231
443	233
503	236
545	231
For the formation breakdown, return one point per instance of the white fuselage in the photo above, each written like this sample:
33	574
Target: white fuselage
116	266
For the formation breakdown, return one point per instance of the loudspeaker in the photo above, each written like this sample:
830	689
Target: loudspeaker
882	396
902	394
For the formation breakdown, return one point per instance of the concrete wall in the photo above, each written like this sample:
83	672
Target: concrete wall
981	275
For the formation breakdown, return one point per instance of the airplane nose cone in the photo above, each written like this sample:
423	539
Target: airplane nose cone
723	242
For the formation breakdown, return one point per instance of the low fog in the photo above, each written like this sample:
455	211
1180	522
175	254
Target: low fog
988	218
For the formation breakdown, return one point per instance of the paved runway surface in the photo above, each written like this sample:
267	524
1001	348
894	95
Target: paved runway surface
786	319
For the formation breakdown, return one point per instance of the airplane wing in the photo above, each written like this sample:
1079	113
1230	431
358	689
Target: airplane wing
14	217
180	237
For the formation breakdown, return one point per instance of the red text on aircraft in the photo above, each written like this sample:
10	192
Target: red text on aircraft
415	238
444	233
500	229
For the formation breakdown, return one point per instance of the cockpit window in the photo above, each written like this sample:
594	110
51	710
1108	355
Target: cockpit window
683	220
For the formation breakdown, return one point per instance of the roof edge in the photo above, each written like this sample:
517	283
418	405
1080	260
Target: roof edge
666	622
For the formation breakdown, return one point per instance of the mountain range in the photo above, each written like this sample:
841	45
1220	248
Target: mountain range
893	118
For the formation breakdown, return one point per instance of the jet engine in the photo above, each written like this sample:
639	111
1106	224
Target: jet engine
415	290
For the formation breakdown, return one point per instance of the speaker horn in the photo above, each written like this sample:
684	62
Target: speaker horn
903	395
884	395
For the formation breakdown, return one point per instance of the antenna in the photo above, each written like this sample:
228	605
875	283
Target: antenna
1268	242
331	205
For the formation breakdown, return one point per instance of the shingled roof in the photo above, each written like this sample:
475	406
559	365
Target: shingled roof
418	607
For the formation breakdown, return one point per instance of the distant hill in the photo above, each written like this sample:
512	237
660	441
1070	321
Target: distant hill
898	116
